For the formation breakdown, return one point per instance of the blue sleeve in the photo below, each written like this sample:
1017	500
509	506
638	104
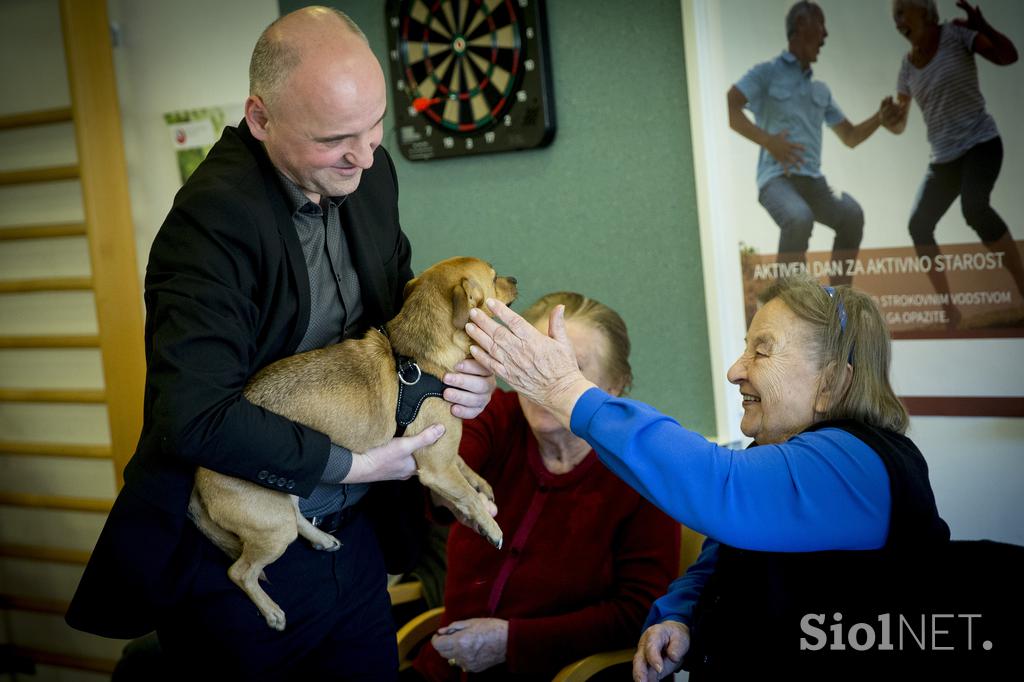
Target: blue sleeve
754	84
681	599
833	114
824	490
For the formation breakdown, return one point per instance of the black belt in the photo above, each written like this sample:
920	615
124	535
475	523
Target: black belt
333	521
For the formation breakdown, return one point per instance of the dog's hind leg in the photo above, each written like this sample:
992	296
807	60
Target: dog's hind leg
315	536
258	551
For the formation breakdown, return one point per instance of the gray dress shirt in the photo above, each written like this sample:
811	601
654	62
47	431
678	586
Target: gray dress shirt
335	309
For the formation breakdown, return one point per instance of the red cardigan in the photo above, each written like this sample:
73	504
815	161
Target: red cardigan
583	558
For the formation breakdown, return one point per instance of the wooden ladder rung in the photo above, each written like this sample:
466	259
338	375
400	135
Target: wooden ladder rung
37	553
51	341
16	286
27	119
29	175
59	660
55	450
60	502
43	231
51	395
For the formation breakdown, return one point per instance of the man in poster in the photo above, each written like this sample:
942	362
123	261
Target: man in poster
789	107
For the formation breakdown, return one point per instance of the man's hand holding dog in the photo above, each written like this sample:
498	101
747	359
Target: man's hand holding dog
470	389
393	460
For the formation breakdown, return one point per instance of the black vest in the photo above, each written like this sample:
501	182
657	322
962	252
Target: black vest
751	614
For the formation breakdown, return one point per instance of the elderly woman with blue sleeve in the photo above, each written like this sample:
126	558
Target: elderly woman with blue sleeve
829	514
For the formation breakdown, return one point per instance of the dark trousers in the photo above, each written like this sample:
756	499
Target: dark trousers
971	177
339	624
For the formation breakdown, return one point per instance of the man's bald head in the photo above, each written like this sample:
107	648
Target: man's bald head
317	100
283	45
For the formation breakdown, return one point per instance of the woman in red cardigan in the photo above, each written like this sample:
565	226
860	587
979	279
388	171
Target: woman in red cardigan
584	554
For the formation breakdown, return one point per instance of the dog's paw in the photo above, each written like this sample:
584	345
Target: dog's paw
486	490
333	546
275	619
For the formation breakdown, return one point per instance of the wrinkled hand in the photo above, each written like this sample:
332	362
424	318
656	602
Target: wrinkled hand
393	460
475	644
785	152
473	385
541	368
660	651
974	21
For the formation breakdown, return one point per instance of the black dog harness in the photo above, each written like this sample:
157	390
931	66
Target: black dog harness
414	386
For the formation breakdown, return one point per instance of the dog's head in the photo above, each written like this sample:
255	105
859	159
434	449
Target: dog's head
467	283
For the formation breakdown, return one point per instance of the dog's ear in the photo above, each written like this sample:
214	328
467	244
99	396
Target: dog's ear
465	295
409	286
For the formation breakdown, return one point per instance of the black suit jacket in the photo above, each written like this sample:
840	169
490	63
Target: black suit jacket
227	293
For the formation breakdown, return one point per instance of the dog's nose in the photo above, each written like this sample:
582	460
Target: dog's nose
512	280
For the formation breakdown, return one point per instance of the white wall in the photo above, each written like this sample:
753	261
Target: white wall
176	55
977	465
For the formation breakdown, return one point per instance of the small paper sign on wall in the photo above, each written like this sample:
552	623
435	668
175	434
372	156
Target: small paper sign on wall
194	131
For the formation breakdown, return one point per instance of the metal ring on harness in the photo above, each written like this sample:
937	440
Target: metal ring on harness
419	373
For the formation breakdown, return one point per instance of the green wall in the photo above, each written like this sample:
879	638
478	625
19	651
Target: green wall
609	209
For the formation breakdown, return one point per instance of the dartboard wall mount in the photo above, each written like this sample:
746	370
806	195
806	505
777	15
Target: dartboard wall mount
469	76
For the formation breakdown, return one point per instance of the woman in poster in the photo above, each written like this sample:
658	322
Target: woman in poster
940	74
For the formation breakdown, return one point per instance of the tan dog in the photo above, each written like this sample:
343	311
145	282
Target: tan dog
349	392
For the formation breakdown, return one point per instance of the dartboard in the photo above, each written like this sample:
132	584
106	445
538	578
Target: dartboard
469	76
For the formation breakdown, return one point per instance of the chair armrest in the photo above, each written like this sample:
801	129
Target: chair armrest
585	668
403	593
416	631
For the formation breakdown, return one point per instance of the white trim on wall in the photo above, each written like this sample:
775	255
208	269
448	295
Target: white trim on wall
723	292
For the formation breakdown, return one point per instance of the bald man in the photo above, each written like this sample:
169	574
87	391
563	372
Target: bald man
286	238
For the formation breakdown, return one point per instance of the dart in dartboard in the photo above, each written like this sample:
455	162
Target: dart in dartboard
469	76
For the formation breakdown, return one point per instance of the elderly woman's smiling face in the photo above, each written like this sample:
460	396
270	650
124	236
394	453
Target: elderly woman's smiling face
777	375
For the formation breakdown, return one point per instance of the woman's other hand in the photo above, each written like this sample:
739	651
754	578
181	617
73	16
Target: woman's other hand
974	19
660	651
475	644
542	368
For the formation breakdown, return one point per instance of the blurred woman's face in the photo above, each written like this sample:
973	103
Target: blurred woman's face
777	375
591	348
911	21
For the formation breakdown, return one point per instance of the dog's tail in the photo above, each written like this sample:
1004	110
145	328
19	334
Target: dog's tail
225	539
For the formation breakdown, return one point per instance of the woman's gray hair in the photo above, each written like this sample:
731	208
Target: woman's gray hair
596	315
800	12
864	343
932	12
274	58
